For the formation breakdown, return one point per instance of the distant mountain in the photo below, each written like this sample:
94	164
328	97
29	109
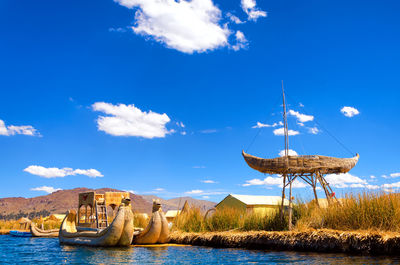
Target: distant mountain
177	203
57	202
63	200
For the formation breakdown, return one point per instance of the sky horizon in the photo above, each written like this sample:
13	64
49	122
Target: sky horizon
161	97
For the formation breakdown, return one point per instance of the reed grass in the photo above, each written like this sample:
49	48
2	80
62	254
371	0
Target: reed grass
139	220
227	219
362	211
14	224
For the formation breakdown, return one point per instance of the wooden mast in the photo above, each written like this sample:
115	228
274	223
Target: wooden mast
286	176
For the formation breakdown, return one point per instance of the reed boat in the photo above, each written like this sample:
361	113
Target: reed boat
309	168
20	233
157	231
301	164
37	232
118	233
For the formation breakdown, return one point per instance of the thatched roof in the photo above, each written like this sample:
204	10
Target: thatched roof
301	164
24	220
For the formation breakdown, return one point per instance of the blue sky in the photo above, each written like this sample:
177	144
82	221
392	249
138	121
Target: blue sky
213	66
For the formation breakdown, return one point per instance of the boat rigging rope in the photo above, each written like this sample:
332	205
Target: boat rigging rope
259	129
329	133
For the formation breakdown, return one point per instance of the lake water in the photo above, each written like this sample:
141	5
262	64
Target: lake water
14	250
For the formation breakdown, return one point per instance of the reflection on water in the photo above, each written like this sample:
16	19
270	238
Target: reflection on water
15	250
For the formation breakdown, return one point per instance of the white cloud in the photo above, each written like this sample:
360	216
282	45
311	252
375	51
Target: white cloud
127	120
234	18
253	13
121	30
206	197
301	117
199	167
208	181
54	172
183	133
273	181
198	192
391	185
241	41
343	180
209	131
262	125
180	124
313	130
371	187
372	177
281	131
46	189
13	130
291	153
395	175
349	111
194	192
187	26
159	189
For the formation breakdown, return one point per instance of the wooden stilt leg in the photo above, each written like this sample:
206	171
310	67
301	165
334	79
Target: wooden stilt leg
283	197
314	186
290	204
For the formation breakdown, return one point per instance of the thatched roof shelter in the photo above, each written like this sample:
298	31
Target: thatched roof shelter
24	220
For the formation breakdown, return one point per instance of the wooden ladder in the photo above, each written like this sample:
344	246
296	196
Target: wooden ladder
101	214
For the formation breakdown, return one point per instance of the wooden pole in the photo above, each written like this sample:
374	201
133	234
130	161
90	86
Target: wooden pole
290	204
283	196
314	186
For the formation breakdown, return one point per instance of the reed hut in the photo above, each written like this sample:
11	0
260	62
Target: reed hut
263	205
171	215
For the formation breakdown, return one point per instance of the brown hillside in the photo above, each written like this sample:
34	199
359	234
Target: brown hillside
58	202
177	203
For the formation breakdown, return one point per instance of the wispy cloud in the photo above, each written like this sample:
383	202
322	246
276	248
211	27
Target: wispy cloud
313	130
46	189
209	131
199	167
263	125
121	30
128	120
198	192
344	180
392	175
234	18
253	13
281	132
302	118
208	181
349	111
241	41
13	130
194	192
272	181
54	172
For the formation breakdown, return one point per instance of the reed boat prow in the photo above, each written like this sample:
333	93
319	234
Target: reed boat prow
301	164
118	233
37	232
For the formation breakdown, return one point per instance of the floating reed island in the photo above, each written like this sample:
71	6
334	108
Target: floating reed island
366	223
362	242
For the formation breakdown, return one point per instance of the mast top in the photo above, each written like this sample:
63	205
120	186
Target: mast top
285	128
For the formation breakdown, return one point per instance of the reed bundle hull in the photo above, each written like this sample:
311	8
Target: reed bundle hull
301	164
157	231
37	232
118	233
